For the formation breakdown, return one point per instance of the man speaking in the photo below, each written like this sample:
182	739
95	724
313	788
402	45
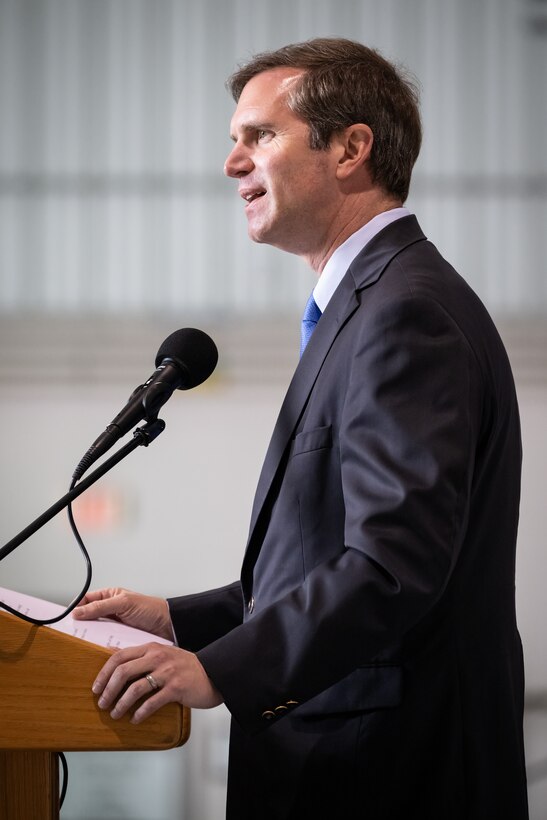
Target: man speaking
369	654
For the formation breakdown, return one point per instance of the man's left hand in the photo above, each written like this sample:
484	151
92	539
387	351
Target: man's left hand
175	675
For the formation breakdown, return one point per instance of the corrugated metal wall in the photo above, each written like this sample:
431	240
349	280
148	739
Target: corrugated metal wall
115	128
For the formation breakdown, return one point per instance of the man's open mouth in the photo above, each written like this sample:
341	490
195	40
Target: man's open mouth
252	195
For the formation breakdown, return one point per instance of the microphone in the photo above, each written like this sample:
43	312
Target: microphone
185	359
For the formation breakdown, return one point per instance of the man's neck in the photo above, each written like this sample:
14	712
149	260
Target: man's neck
355	213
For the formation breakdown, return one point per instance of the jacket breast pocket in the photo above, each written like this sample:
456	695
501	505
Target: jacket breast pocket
318	439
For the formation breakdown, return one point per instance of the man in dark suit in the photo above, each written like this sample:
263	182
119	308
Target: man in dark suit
369	655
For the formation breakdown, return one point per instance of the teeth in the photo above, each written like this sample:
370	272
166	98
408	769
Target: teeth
250	197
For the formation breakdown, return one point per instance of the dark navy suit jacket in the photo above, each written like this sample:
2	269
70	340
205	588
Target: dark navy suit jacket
369	655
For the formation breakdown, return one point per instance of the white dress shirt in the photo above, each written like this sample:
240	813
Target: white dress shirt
341	259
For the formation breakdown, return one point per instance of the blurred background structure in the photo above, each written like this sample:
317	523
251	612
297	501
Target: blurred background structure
117	227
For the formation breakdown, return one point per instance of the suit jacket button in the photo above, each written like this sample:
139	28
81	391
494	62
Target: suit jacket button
268	715
280	709
251	605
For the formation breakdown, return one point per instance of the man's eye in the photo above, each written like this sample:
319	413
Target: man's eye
262	134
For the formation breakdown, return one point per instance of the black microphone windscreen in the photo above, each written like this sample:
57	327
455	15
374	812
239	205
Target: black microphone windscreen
194	351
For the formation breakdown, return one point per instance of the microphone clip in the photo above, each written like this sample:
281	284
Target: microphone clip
149	431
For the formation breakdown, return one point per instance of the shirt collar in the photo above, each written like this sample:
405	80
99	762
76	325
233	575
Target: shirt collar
336	267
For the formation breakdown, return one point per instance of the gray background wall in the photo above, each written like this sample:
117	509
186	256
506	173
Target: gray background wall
117	227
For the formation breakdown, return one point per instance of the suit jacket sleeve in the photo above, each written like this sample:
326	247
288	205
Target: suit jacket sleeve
200	619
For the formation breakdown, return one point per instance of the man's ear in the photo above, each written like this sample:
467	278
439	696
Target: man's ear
356	141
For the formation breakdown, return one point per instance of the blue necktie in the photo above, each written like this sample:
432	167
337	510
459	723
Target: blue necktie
311	316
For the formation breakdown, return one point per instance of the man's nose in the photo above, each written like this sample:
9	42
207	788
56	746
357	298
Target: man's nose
238	162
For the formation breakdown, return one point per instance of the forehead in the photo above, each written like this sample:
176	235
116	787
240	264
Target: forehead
264	98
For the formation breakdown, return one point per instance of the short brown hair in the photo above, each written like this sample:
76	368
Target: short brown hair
344	83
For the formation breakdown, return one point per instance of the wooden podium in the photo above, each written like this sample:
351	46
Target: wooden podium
47	706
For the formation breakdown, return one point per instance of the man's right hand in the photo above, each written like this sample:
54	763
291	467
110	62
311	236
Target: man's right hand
141	611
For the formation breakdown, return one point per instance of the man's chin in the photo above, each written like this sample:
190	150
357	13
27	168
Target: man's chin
260	236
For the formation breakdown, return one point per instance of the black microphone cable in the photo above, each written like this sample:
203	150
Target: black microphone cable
64	782
75	601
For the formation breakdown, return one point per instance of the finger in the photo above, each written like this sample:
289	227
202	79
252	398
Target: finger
100	594
151	705
102	603
96	609
111	676
138	690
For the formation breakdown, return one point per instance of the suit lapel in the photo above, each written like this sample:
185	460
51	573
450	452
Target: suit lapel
363	272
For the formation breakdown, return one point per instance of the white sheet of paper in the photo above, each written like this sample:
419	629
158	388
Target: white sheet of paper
104	632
